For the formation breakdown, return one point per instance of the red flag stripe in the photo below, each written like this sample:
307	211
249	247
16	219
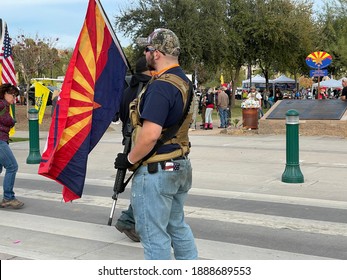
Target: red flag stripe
8	73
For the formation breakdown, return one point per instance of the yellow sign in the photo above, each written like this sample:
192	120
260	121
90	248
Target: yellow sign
41	97
13	129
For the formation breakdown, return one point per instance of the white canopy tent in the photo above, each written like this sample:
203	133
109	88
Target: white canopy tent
329	84
257	81
283	79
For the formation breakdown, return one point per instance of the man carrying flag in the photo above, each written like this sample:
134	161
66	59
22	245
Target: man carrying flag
89	99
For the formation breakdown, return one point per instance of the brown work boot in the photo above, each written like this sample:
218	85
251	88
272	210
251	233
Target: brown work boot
13	203
130	232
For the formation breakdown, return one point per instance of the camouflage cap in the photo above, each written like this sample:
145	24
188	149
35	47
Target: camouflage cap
163	40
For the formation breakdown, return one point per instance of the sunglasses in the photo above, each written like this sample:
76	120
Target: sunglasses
150	49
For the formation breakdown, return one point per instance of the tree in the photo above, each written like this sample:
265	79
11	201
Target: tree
333	35
34	57
283	34
198	24
224	35
239	49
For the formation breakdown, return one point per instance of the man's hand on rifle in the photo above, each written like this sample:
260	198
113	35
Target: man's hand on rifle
122	161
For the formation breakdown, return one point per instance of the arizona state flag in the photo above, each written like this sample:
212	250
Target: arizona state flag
89	99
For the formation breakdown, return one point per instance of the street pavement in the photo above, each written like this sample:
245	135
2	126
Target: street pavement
238	208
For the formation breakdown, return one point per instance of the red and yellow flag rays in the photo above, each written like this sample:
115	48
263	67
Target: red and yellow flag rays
319	57
85	74
89	99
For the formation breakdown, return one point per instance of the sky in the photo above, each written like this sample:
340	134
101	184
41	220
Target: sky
61	19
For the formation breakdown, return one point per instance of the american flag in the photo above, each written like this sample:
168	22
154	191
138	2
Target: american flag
8	73
172	166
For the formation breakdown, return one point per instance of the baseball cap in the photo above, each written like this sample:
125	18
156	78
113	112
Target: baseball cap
163	40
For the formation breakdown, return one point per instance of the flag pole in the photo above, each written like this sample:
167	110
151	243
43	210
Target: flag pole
0	30
119	181
114	36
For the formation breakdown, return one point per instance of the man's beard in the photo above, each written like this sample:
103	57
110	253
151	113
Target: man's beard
151	63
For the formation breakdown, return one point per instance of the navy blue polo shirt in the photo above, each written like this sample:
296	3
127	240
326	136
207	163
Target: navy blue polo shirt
162	104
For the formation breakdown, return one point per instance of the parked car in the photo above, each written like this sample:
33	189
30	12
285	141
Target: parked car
31	94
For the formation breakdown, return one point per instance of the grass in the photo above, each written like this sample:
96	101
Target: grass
236	113
18	139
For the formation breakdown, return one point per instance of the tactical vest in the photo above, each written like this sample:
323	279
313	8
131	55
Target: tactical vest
181	138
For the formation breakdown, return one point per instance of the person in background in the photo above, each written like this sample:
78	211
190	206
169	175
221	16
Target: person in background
257	96
270	100
8	161
126	222
228	91
278	95
344	90
322	94
222	107
202	107
209	101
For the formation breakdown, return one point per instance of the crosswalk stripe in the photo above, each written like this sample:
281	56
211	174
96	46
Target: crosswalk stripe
269	221
31	224
224	194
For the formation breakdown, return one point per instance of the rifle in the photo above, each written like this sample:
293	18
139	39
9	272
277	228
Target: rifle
119	184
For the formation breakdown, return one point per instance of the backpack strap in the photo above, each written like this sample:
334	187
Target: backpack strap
170	132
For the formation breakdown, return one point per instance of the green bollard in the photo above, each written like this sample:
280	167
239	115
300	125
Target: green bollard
34	153
292	172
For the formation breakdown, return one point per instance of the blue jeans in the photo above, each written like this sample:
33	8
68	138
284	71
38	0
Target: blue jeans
223	115
158	200
8	161
126	219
